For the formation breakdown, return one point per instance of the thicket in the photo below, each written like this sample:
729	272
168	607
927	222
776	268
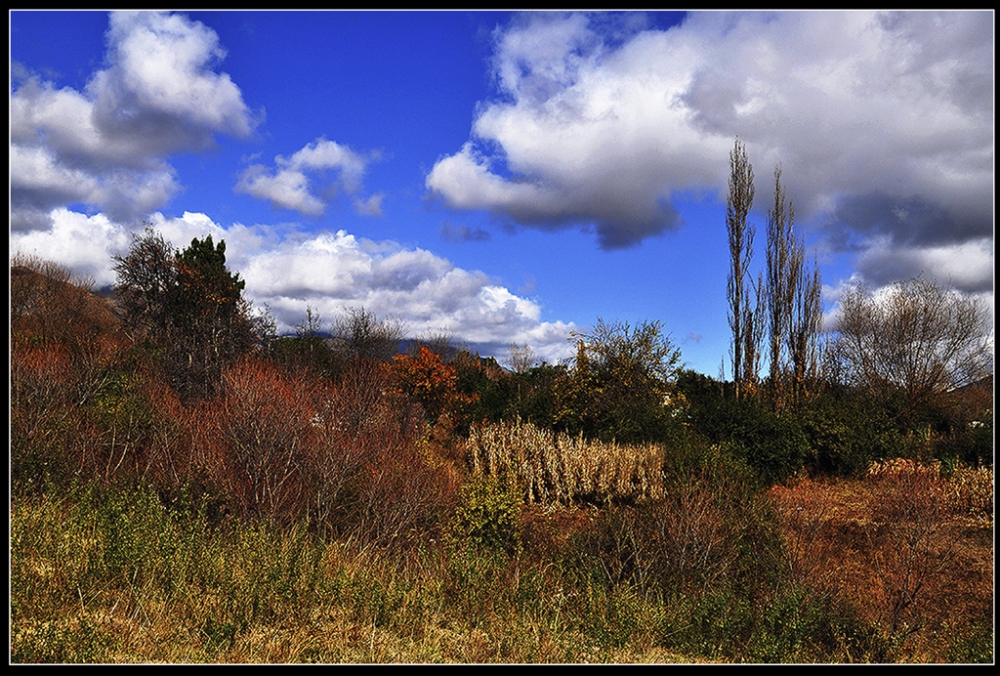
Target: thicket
423	505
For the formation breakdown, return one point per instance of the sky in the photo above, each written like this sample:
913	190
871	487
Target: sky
506	178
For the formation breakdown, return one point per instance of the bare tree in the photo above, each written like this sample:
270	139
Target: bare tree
520	358
441	341
917	336
741	235
783	274
146	285
365	337
310	327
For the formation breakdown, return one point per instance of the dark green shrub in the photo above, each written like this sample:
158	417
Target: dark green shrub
845	438
774	446
488	516
971	442
132	527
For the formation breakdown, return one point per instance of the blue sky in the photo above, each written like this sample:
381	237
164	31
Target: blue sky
506	177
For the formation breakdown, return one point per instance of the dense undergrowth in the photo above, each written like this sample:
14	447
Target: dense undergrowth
318	507
111	574
711	571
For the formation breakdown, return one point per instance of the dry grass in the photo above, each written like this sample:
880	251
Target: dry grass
905	549
559	469
117	581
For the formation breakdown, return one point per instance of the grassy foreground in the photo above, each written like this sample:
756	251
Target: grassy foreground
110	575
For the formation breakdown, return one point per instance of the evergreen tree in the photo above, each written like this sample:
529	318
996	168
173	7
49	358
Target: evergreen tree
188	306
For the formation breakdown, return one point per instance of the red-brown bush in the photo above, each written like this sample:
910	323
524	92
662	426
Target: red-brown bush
376	479
253	440
349	457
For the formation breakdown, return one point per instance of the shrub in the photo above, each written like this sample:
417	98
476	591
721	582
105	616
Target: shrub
375	478
488	516
711	529
911	540
253	440
42	419
427	379
774	446
846	437
970	442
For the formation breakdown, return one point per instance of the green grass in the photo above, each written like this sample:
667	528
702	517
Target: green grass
109	575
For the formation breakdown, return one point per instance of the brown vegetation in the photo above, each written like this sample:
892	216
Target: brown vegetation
904	548
332	504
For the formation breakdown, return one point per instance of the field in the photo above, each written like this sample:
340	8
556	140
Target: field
896	555
869	571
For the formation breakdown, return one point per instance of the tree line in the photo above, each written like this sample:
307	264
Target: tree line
916	340
892	377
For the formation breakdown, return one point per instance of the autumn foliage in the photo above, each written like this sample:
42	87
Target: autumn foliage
639	497
427	379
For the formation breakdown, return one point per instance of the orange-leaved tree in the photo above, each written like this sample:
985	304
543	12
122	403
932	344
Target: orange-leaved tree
432	382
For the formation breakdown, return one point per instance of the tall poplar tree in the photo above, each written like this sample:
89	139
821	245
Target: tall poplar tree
741	235
782	282
793	304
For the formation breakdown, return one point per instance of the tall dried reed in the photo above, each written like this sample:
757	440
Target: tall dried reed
559	469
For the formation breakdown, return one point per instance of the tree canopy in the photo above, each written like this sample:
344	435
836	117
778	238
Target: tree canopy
188	305
917	337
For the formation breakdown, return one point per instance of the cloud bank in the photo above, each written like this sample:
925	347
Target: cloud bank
882	122
107	146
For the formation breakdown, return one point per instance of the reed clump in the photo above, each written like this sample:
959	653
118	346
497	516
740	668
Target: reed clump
558	469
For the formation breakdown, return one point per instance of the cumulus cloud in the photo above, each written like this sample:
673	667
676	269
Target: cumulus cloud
80	243
295	180
106	146
882	122
331	271
290	270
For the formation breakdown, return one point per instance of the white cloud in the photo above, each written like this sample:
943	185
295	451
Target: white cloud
294	182
371	206
331	271
285	189
161	64
80	243
864	110
106	146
